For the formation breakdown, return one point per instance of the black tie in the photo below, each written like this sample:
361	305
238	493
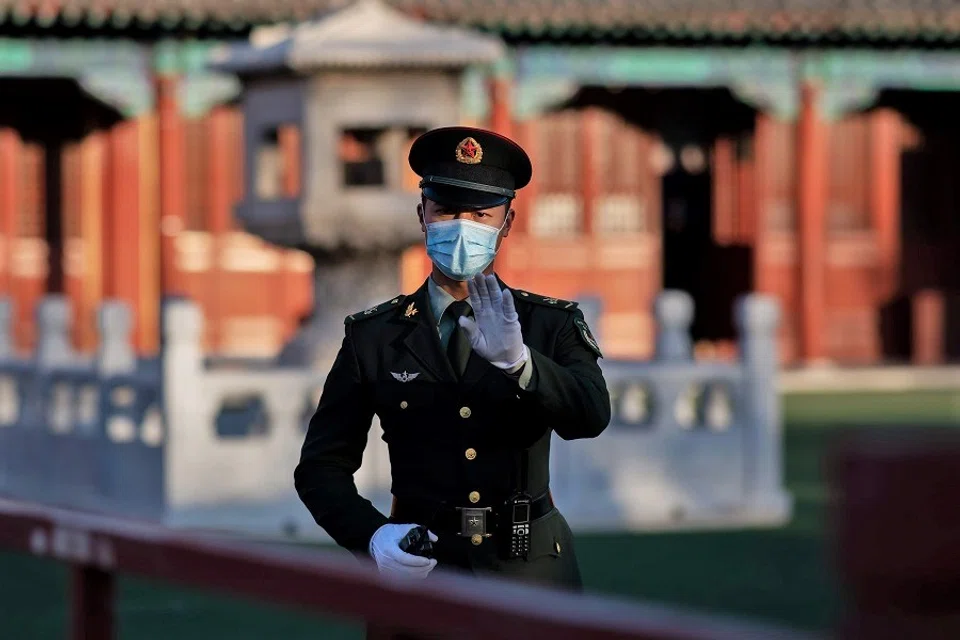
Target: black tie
458	348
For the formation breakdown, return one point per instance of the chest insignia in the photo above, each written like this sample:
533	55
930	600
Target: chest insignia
404	377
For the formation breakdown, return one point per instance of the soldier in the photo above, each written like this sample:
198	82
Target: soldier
469	379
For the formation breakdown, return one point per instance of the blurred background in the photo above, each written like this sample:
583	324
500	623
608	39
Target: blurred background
754	203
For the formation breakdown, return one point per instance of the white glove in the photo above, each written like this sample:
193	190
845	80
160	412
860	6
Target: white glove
385	549
494	331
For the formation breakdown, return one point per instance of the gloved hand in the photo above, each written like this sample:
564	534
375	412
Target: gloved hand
385	549
494	331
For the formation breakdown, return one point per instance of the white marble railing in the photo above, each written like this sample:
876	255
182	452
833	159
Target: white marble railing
196	446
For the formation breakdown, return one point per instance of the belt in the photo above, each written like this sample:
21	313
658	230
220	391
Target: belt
463	521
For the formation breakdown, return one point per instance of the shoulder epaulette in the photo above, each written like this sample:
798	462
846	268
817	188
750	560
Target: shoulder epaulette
376	310
556	303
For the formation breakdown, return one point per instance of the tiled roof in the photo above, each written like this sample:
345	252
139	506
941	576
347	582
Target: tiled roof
788	20
368	34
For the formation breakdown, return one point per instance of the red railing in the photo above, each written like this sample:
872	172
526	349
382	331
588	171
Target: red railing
894	514
451	606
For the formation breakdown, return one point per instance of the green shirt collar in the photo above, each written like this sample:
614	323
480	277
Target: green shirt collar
439	299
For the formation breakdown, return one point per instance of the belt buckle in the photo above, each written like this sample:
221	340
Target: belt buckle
473	521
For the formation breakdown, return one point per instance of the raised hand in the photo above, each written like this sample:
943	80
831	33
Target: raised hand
494	331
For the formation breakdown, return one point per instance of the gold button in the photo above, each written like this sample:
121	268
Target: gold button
476	539
404	405
474	497
465	412
470	454
556	545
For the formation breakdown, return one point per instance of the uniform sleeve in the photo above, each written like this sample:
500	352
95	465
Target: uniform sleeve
332	453
568	391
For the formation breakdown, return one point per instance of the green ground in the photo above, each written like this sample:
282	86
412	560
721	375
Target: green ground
781	575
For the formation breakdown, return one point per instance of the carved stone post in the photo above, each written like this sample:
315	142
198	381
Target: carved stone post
115	354
6	328
53	321
757	318
9	400
183	393
673	312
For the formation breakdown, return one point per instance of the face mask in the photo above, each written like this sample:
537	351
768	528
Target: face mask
461	249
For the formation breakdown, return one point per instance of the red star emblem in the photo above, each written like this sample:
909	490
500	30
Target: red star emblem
469	151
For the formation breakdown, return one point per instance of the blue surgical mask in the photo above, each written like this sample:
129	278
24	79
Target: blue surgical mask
462	249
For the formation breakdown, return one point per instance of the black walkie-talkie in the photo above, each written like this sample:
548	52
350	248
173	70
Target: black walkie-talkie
517	511
417	542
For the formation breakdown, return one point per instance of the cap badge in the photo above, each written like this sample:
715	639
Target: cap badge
469	151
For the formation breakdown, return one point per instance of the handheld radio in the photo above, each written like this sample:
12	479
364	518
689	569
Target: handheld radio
417	542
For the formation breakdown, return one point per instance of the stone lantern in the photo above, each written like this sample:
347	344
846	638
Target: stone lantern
338	101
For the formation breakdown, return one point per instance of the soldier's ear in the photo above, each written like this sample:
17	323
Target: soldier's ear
508	221
423	226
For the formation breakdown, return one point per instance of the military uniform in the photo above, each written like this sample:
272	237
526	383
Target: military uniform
460	443
453	443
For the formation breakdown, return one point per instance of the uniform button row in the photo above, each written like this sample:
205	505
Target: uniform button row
470	453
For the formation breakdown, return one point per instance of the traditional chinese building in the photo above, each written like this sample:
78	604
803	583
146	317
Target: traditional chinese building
120	163
804	150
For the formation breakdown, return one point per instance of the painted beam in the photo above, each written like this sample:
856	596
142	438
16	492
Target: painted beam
120	72
634	66
764	77
712	67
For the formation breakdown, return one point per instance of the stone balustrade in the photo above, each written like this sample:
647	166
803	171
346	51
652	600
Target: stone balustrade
178	440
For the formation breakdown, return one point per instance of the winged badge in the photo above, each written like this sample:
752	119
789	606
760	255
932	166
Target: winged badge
404	377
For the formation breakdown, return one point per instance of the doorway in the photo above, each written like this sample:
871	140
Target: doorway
693	261
929	224
688	121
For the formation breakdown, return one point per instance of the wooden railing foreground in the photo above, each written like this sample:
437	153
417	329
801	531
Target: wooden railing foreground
893	512
449	606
